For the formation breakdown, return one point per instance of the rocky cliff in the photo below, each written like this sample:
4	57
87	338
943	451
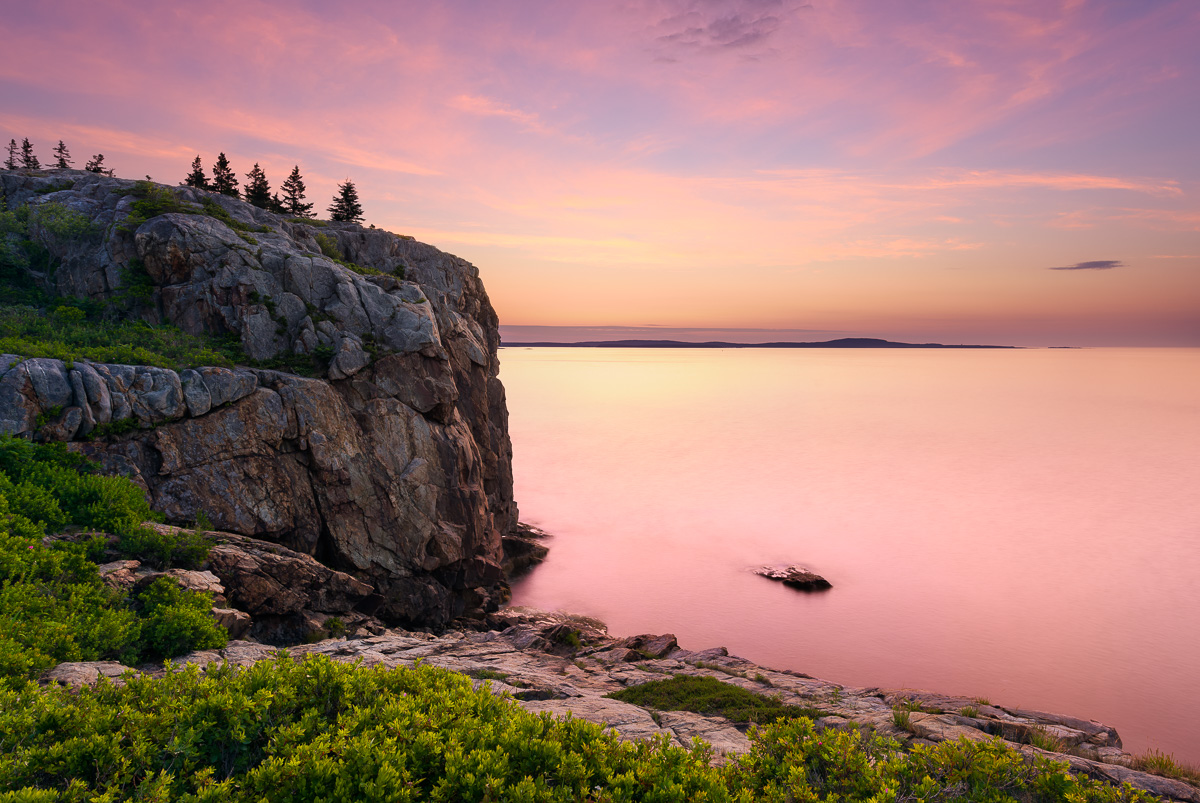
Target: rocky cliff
391	463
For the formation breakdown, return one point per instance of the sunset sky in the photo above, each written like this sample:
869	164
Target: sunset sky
1007	171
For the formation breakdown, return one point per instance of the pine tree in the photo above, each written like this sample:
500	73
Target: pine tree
11	162
224	181
28	160
276	204
293	195
62	157
96	165
196	178
345	206
257	190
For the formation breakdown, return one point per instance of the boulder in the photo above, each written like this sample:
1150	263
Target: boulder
77	674
235	622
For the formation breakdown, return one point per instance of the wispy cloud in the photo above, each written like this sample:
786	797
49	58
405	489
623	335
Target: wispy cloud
1095	264
712	26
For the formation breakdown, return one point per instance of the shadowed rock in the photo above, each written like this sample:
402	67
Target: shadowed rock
795	577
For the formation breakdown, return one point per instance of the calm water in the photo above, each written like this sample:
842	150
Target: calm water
1017	525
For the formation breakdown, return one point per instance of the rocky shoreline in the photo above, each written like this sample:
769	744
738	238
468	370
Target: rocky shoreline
565	664
376	492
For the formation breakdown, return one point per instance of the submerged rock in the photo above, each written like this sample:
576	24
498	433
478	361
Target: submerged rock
796	577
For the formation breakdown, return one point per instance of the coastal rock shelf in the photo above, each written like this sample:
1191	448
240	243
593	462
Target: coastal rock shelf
560	663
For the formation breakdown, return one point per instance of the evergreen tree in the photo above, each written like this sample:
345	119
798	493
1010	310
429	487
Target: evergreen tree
97	165
196	178
257	190
28	160
224	181
293	195
276	204
345	206
62	157
11	162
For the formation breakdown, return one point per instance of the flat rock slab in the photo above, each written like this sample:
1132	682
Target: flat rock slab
796	577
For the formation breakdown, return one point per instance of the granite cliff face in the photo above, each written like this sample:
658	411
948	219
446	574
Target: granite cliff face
393	464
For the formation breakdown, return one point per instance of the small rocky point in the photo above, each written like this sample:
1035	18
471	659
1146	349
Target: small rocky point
565	664
796	577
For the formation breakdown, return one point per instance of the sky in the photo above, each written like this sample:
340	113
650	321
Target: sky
1004	171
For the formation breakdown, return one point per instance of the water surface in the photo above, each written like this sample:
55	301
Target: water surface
1017	525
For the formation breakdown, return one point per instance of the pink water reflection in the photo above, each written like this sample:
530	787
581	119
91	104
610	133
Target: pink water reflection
1018	525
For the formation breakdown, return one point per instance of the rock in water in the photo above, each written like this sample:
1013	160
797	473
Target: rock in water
796	577
391	463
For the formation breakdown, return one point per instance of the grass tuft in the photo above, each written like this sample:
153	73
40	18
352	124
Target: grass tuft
1166	765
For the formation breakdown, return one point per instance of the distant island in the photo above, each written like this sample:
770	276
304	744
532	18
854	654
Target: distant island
840	343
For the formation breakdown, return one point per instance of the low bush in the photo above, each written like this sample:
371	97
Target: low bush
315	730
793	761
711	697
30	332
53	605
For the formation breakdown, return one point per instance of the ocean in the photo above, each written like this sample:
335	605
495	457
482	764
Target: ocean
1016	525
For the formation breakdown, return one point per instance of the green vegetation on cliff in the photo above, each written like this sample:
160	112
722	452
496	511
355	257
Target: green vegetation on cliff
36	323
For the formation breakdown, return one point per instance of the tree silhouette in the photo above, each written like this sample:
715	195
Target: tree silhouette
257	190
62	157
293	195
96	165
196	178
345	206
28	160
11	162
224	181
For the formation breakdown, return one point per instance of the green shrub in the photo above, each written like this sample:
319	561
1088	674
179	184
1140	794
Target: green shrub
30	332
314	730
153	201
175	622
329	247
187	549
793	761
53	605
711	697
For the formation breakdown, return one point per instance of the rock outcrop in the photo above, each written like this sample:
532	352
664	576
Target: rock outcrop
393	464
796	577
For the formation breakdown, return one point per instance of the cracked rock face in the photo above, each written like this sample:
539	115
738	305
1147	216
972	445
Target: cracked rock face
394	466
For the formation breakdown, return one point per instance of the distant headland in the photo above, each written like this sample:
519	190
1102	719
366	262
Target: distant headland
840	343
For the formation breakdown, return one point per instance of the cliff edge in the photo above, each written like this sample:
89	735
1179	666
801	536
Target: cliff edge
391	461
